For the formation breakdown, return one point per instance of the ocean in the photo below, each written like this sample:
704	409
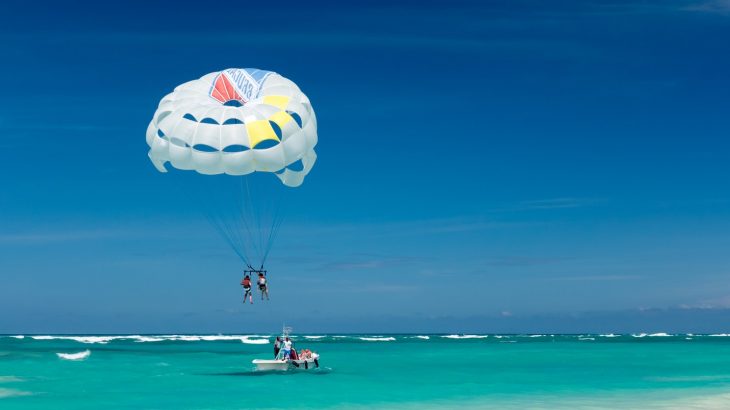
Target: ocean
655	371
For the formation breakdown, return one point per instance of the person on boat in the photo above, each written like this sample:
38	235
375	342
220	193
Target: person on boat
287	348
263	287
277	346
246	283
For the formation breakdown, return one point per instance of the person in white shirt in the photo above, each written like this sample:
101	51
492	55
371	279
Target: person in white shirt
287	348
263	286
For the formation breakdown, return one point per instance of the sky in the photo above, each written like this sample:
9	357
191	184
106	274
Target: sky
483	166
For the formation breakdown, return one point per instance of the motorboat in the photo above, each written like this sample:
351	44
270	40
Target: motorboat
281	363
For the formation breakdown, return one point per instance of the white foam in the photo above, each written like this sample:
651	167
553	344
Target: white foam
536	336
586	338
18	337
610	335
81	339
254	341
211	338
143	339
719	335
155	338
465	336
314	337
184	338
377	339
203	338
75	356
95	339
660	334
44	337
422	337
502	337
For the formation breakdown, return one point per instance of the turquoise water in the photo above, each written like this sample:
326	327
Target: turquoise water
369	371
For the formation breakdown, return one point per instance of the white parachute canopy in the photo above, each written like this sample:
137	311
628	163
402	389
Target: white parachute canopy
236	121
233	123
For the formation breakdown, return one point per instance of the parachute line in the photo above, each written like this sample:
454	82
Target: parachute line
248	220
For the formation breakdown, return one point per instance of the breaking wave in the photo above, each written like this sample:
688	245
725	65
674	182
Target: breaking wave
157	338
254	341
143	339
465	336
262	339
83	339
75	356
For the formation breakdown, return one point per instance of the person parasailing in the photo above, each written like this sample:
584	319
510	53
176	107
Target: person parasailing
246	283
263	286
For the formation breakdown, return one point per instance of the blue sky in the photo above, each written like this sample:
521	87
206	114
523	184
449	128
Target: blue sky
483	166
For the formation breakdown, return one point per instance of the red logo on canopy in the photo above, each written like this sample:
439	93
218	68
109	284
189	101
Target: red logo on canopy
224	91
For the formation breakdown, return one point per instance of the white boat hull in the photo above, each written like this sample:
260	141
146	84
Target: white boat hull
282	365
271	364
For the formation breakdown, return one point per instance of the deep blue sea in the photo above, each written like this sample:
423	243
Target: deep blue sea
656	371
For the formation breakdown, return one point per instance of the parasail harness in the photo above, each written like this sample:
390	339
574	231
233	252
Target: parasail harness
251	271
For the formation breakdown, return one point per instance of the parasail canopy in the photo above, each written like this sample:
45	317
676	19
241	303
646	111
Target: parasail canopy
236	121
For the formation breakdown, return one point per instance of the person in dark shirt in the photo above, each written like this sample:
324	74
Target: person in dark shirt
246	283
277	346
